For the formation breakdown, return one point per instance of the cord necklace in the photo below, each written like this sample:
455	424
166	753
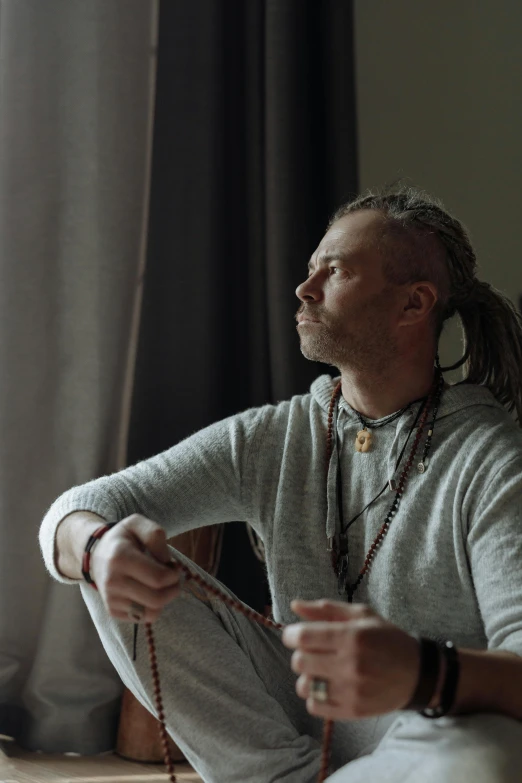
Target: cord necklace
338	545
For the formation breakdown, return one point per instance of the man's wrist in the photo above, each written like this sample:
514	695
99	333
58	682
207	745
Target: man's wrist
490	681
72	535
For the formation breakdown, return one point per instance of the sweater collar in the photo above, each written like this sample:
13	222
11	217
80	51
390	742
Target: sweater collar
454	399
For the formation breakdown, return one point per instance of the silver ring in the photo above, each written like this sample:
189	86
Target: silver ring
319	689
136	611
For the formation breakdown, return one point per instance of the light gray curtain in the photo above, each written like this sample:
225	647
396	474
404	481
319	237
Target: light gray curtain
76	98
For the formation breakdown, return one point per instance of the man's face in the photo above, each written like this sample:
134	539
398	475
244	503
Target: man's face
354	308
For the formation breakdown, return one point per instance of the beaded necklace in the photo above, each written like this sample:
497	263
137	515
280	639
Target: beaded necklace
337	557
338	545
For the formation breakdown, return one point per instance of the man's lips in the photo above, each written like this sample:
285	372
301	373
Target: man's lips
307	318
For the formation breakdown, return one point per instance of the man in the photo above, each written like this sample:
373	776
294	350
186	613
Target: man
439	465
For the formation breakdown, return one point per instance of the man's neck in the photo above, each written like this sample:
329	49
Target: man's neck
381	394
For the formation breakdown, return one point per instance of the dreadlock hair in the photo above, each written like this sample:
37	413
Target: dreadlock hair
422	241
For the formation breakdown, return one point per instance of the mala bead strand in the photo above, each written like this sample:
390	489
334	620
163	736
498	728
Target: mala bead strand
251	614
258	618
159	703
245	610
326	749
435	394
393	510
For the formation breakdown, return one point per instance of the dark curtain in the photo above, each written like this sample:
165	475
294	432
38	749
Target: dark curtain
254	147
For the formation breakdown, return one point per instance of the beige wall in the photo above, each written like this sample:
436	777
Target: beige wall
439	94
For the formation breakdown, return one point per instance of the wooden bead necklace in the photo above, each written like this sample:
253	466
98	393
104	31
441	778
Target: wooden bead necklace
258	618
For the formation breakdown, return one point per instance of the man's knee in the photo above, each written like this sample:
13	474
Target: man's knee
486	764
479	748
482	748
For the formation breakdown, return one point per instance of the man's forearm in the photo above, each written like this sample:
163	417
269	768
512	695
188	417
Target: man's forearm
490	681
72	535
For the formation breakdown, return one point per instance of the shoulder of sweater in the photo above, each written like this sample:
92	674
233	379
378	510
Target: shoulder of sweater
490	437
320	393
285	412
464	396
476	405
467	402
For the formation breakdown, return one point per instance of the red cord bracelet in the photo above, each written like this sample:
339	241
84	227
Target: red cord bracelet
86	560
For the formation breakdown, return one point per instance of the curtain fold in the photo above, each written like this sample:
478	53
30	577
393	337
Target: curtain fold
75	110
254	147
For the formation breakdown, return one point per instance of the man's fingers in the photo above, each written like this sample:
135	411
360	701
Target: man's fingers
314	636
146	569
303	688
326	635
330	610
147	533
320	664
156	543
152	600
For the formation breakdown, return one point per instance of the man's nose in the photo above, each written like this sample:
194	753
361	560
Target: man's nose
309	290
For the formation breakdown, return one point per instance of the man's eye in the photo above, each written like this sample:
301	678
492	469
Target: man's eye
330	269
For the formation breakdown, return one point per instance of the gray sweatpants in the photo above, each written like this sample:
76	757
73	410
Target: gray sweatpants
230	704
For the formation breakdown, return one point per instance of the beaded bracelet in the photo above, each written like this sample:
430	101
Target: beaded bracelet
86	560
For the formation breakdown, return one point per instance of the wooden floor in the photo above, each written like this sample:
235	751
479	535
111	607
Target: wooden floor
21	766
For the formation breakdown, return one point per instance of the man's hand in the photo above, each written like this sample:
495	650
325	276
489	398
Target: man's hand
132	562
372	666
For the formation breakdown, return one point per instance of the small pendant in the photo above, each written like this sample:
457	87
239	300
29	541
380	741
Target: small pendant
363	441
421	467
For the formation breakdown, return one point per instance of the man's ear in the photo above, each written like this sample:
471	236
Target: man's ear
419	301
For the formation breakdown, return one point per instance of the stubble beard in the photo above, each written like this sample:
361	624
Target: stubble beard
365	351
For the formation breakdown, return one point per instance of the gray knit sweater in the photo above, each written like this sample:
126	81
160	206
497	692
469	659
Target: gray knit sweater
451	564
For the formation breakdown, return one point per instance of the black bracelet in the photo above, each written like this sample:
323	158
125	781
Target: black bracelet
451	680
428	674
